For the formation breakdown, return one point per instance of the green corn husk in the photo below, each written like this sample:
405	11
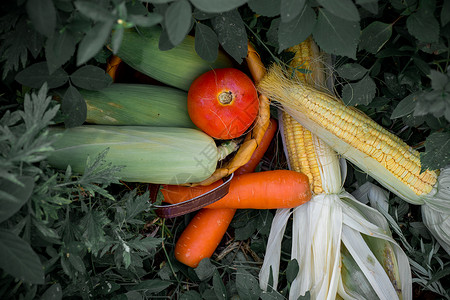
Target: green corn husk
164	155
137	104
176	67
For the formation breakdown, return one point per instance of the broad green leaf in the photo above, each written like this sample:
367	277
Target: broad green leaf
16	195
205	269
421	65
352	71
290	9
116	39
35	75
59	49
90	77
267	8
247	285
146	21
93	41
296	31
219	288
177	21
134	295
406	106
151	286
206	43
232	35
217	6
42	14
344	9
336	35
437	154
18	259
292	270
77	262
423	25
404	5
375	36
445	13
361	92
74	107
191	295
438	80
369	5
94	11
54	292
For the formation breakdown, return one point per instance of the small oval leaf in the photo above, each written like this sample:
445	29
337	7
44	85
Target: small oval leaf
206	43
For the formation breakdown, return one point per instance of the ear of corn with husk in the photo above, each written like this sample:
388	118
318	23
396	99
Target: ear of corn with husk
137	104
166	155
177	67
366	144
344	248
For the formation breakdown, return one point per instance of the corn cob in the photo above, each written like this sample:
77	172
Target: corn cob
354	135
177	67
317	247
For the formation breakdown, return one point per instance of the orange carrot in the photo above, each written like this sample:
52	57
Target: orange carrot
192	246
202	235
261	190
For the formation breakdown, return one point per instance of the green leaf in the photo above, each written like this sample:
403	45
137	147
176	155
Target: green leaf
205	269
93	41
42	14
177	21
94	11
232	35
352	71
292	270
151	286
149	20
16	195
344	9
247	285
135	204
92	225
375	36
59	49
437	154
438	80
219	287
45	230
54	292
361	92
90	77
423	25
406	106
290	9
445	13
336	35
206	43
116	39
74	107
77	263
35	75
19	259
217	6
369	5
267	8
296	31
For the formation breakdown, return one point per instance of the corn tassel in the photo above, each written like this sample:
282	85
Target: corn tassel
366	144
369	253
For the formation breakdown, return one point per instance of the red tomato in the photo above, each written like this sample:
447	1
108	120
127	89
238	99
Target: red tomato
223	103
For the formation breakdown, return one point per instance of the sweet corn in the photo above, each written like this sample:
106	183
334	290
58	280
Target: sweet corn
353	134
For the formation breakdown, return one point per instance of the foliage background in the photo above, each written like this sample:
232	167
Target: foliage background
92	236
